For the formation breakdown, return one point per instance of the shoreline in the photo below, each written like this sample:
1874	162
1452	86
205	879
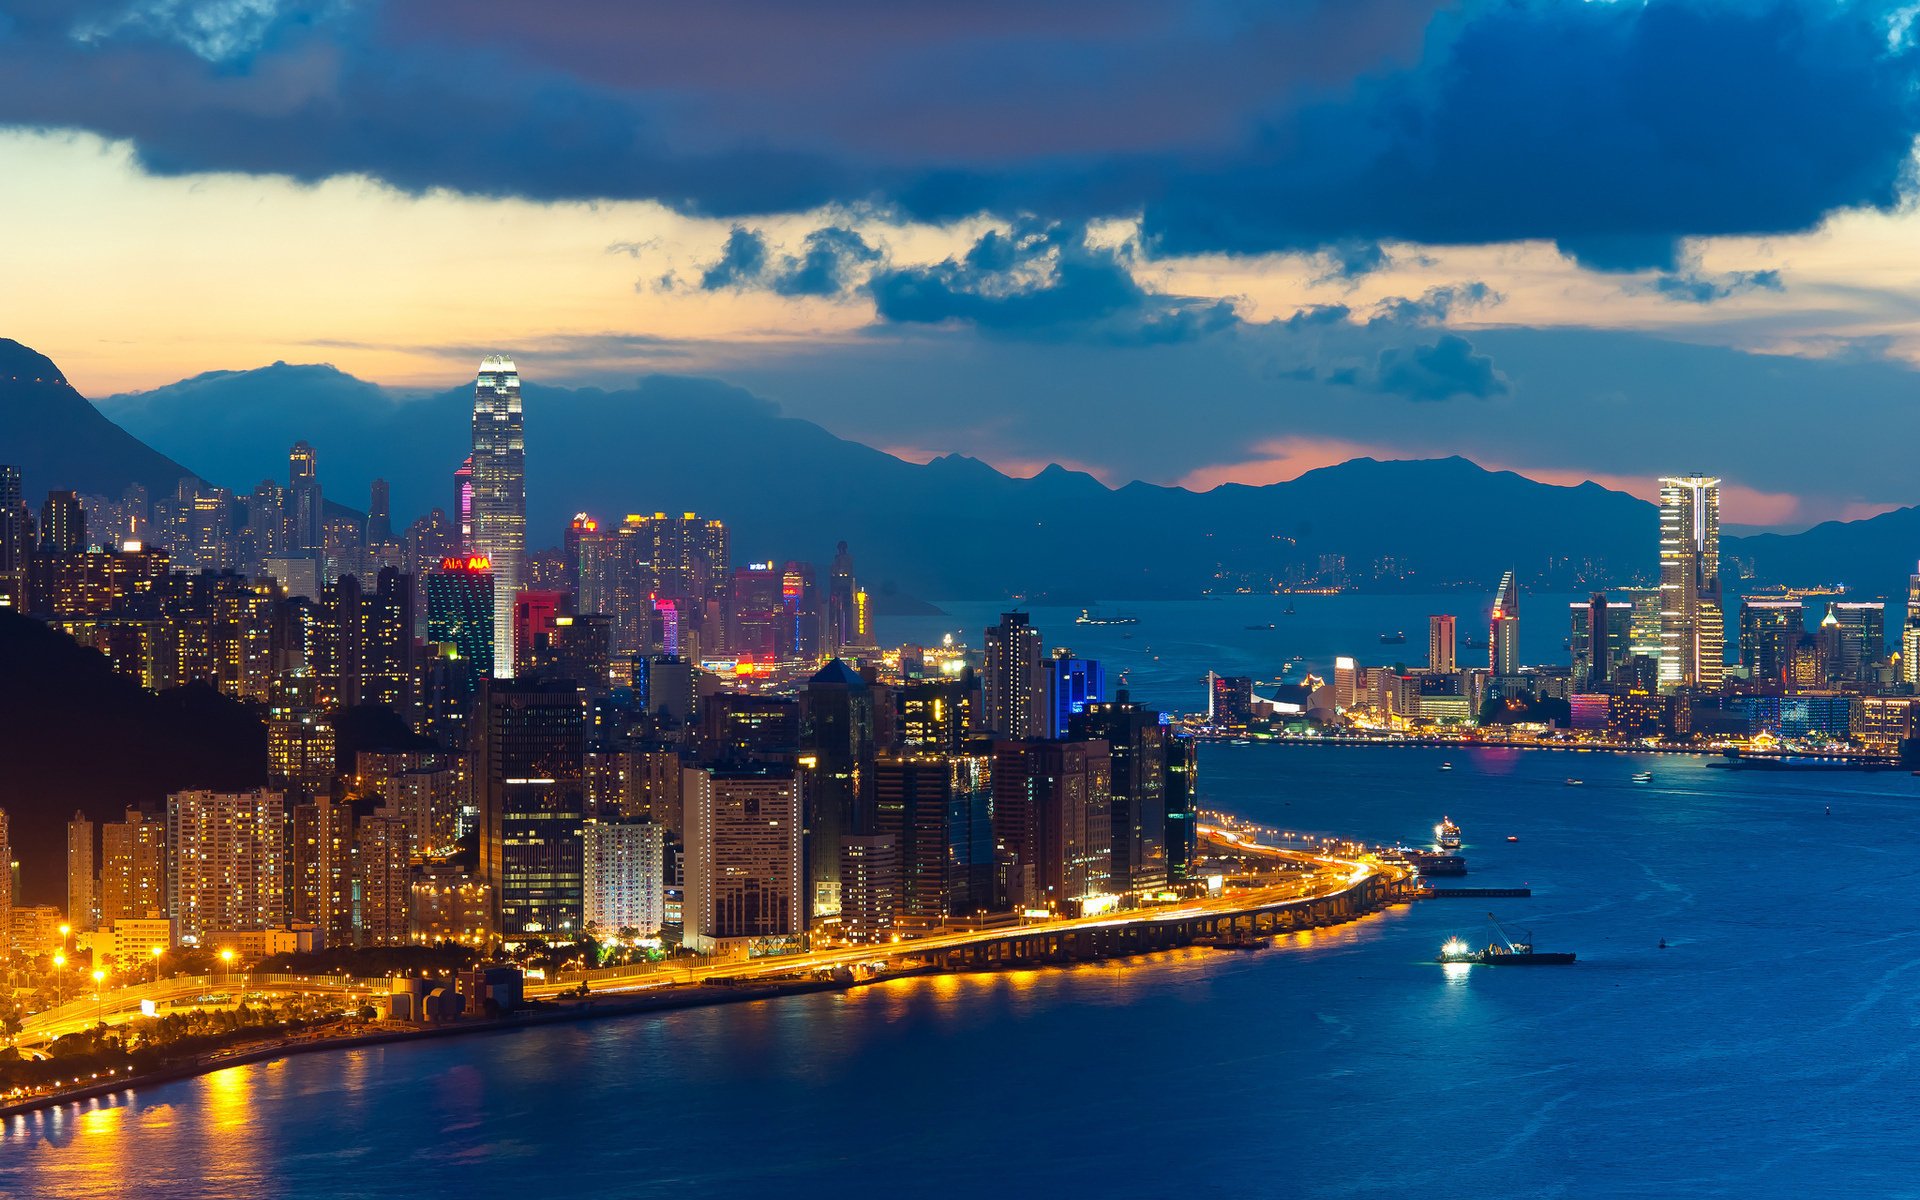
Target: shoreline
591	1008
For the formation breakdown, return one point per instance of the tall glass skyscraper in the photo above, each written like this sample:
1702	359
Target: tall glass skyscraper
1503	633
1692	628
500	494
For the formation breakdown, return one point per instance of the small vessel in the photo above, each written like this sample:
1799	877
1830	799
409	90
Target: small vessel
1289	611
1446	834
1396	638
1643	776
1513	837
1663	943
1240	943
1504	952
1089	617
1572	782
1268	625
1446	766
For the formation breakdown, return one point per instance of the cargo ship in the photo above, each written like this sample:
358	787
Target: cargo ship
1089	617
1502	953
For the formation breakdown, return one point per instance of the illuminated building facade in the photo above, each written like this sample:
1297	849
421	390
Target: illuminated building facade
461	609
1013	691
625	864
1442	643
226	853
499	531
531	764
1770	633
133	868
1503	631
744	861
1692	628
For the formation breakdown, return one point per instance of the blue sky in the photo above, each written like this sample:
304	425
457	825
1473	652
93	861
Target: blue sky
1202	242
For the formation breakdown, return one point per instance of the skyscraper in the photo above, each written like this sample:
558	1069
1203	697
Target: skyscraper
1909	632
379	515
82	899
531	769
1692	630
1770	633
460	610
228	863
744	866
1013	693
63	524
500	495
625	877
1442	643
836	760
306	517
1863	637
1503	634
133	868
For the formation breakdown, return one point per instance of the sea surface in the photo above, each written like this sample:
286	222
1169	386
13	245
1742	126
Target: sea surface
1767	1051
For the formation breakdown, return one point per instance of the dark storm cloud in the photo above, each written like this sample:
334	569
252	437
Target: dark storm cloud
1610	128
1693	287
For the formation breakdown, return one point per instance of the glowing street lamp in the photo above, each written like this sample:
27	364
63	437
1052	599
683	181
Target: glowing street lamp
157	952
59	978
99	996
226	959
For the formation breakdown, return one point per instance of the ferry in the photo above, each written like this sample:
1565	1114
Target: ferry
1089	617
1446	834
1504	953
1643	776
1572	782
1397	638
1446	766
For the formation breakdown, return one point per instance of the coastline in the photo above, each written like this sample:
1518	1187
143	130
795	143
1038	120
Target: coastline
591	1008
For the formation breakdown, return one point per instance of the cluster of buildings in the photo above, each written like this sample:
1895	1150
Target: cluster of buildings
631	736
1644	662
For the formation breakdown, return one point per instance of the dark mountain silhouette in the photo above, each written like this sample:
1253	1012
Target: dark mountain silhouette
58	440
75	735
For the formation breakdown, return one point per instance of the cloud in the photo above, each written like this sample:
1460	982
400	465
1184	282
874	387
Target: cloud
1611	129
1442	371
742	261
1435	304
1351	260
1693	287
825	265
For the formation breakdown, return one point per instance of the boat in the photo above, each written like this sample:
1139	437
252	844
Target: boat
1446	834
1446	766
1504	952
1089	617
1572	782
1513	837
1397	638
1289	611
1240	943
1643	776
1268	625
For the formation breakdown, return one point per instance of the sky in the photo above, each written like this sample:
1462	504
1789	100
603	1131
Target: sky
1190	243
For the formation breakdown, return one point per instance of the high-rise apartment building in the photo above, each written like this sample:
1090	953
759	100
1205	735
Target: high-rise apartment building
500	495
1013	693
1503	632
63	524
1692	628
383	852
1137	788
938	811
1442	643
227	863
531	768
836	765
743	861
321	879
82	898
133	868
625	877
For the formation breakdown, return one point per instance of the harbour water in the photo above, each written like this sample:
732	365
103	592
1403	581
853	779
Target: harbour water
1766	1052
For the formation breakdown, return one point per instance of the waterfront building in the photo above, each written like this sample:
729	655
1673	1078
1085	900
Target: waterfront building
530	766
1599	638
227	862
1051	814
321	869
446	903
133	868
82	903
1692	632
1862	638
1230	701
1883	722
1442	643
1503	632
1069	685
383	856
836	762
423	789
1137	739
744	865
625	877
1770	633
870	876
1346	683
1910	634
499	525
1012	689
1182	801
938	811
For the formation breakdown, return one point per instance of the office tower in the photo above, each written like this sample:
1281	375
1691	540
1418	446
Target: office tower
383	854
690	559
1770	632
1346	683
1229	701
937	809
533	617
227	863
1051	821
1069	684
799	639
1137	739
63	524
1503	633
82	902
840	622
306	510
936	714
1183	801
1692	632
869	888
836	759
591	565
741	729
1442	643
531	771
6	878
670	691
744	864
1011	684
461	515
1909	631
16	540
499	525
1862	637
1643	631
379	515
133	868
1599	639
625	873
754	616
461	609
321	869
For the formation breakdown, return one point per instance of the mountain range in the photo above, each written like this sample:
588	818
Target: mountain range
953	527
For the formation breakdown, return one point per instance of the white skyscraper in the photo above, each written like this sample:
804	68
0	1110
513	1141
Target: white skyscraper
1692	629
1910	633
500	495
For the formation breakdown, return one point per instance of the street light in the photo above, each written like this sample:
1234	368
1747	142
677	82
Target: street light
59	978
99	997
157	952
226	958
